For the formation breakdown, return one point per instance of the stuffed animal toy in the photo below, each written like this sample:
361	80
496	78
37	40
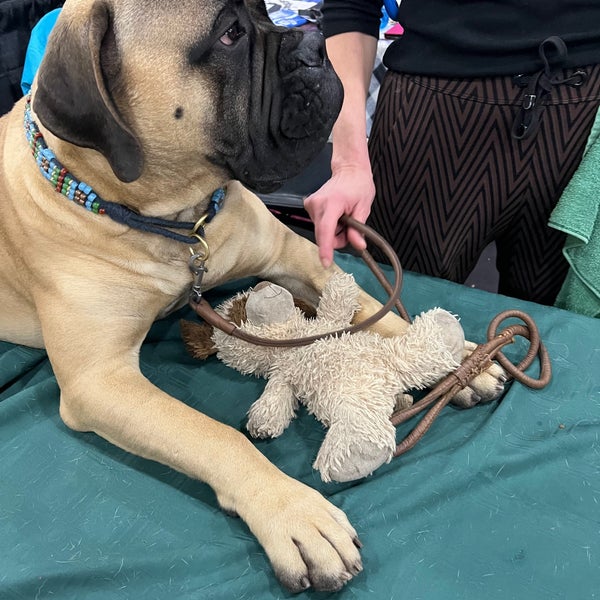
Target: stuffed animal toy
352	383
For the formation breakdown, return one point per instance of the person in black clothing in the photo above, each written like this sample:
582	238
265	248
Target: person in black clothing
18	18
482	119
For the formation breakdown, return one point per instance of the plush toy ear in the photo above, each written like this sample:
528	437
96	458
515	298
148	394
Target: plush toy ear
197	338
72	99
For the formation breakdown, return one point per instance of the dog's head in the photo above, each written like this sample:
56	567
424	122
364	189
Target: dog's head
204	84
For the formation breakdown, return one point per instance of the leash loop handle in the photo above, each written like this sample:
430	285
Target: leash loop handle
475	364
536	348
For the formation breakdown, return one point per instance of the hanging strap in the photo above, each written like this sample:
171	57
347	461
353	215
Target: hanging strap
553	53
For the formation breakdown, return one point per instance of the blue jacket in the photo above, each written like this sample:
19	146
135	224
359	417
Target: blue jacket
37	47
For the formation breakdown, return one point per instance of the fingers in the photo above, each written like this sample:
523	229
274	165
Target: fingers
341	195
326	237
355	238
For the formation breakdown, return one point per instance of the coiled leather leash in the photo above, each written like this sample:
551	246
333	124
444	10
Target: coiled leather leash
475	364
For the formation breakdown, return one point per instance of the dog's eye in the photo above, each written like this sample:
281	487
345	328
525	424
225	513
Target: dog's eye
233	34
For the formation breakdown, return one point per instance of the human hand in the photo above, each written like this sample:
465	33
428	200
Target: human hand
350	191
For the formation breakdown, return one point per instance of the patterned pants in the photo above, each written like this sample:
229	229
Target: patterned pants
450	178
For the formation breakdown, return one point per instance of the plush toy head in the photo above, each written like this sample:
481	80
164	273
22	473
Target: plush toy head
351	383
269	303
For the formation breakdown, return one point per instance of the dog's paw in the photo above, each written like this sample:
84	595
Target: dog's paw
486	387
309	542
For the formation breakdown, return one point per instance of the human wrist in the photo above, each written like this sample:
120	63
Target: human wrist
350	156
350	146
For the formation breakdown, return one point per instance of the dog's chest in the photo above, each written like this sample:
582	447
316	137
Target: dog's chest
173	306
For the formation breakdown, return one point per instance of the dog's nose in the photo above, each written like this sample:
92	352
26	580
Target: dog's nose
311	50
300	49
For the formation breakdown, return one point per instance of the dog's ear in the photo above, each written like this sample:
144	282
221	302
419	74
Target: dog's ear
72	99
197	338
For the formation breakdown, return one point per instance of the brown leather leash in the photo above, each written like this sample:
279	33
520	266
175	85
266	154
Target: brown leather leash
205	310
475	364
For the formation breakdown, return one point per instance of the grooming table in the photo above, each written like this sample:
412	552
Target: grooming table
498	502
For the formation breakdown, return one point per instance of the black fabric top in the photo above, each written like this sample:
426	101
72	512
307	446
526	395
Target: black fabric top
17	19
473	38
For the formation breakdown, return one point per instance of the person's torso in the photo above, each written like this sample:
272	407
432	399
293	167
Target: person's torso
472	38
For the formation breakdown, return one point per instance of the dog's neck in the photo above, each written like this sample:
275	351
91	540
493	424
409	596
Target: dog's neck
65	183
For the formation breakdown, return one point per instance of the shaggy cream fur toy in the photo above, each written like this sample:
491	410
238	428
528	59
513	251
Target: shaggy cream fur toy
350	383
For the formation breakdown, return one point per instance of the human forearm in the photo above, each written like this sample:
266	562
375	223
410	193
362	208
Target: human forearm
350	190
352	55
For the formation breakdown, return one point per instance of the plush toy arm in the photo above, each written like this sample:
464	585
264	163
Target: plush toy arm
339	301
430	349
274	410
197	339
355	445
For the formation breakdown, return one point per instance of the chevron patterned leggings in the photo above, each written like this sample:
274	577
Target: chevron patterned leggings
450	178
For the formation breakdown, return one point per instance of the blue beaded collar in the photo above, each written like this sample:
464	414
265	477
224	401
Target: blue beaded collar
81	193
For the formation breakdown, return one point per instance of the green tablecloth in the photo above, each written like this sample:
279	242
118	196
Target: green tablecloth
498	502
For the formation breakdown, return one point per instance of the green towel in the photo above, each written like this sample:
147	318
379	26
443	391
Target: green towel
578	215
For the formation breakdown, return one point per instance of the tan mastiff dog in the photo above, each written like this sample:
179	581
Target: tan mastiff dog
154	105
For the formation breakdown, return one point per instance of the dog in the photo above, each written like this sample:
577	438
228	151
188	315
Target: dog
152	106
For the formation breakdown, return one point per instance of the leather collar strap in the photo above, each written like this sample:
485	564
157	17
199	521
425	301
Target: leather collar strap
68	185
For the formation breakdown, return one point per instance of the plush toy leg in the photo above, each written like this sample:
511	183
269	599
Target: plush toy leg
273	411
339	301
402	401
454	338
352	451
430	349
451	331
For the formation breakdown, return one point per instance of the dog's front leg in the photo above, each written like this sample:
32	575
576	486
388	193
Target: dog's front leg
308	540
298	268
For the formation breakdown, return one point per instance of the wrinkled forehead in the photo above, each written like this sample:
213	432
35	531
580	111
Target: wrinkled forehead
180	20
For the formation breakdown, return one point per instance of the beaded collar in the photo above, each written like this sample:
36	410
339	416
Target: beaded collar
83	194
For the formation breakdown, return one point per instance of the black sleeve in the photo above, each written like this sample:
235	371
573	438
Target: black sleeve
17	19
341	16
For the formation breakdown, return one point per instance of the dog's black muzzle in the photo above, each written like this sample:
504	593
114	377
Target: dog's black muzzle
295	102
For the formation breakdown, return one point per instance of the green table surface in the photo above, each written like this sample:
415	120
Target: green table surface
498	502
